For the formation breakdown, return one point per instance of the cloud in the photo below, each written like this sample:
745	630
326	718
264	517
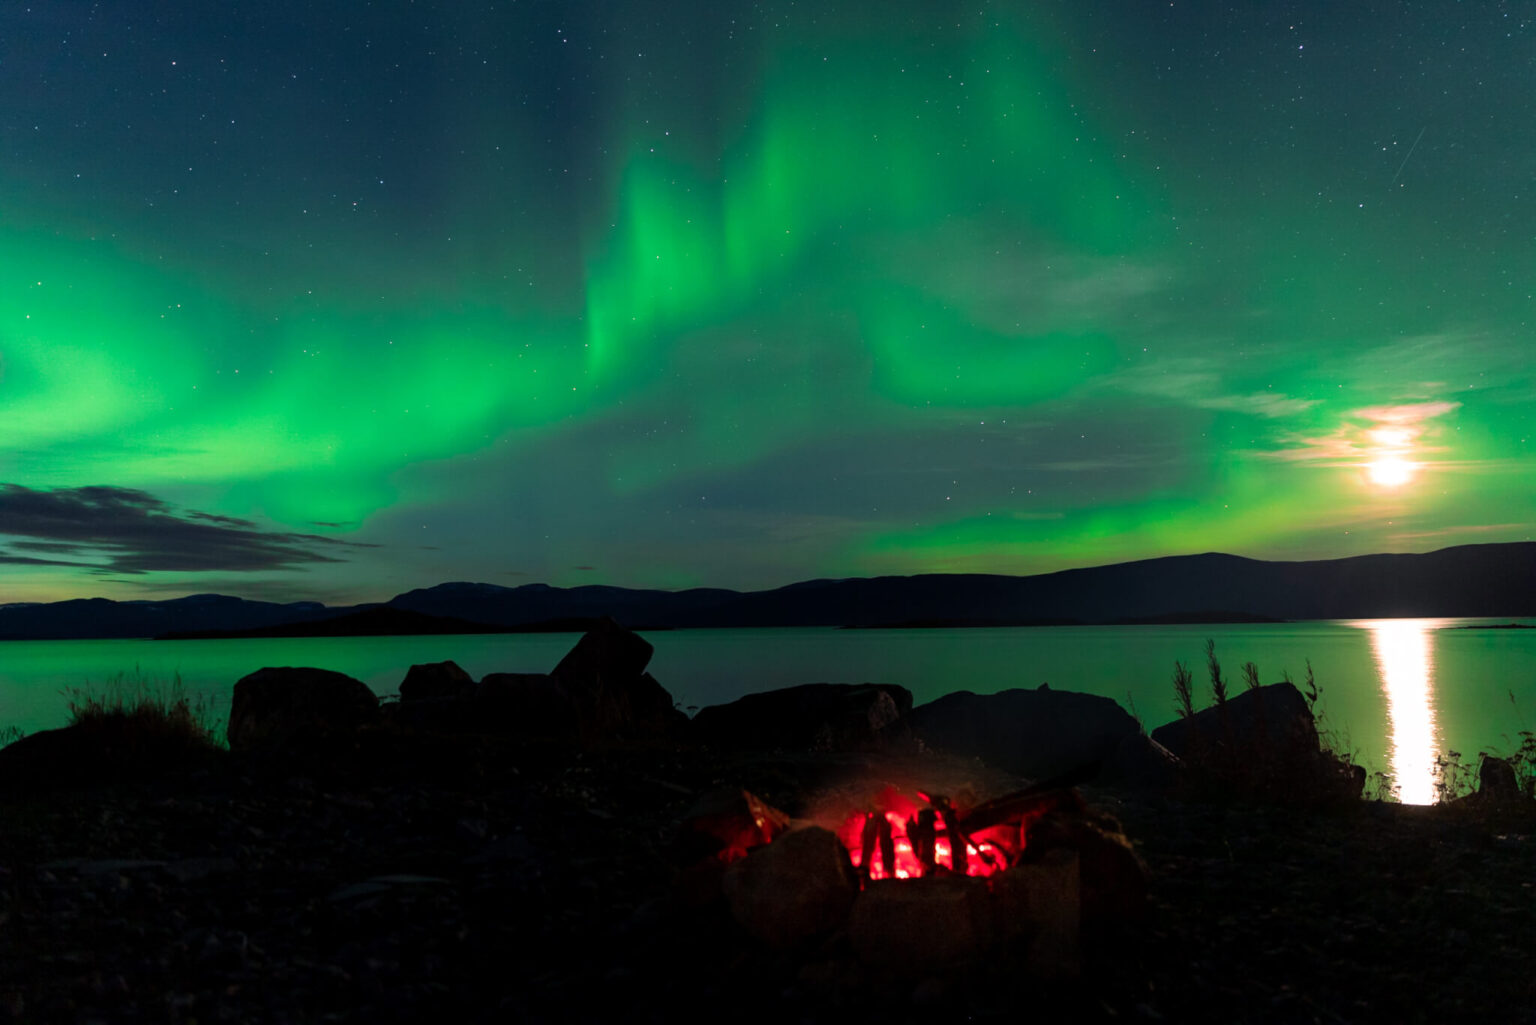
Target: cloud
1399	430
1194	381
1498	531
123	530
23	560
1407	412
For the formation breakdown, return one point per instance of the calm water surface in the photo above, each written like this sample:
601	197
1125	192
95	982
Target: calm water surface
1396	692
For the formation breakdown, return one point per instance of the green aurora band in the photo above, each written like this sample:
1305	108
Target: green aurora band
836	297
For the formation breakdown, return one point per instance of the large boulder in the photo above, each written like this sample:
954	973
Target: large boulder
1272	718
810	717
615	698
434	680
1261	743
284	707
1039	734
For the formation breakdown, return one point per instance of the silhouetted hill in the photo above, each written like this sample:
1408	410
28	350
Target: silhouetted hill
1471	580
100	617
509	606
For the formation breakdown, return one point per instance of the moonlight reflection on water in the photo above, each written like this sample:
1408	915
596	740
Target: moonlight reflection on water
1404	652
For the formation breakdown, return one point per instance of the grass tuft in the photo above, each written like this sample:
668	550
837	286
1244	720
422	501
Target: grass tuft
1183	689
154	711
1218	685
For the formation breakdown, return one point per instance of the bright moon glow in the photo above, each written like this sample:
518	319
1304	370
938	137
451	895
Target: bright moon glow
1391	437
1404	652
1390	471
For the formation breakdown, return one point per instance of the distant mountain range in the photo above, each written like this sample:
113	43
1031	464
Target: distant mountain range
1471	580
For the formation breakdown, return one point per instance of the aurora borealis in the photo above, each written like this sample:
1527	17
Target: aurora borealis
301	302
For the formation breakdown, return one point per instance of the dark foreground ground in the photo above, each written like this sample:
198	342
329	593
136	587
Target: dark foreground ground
480	882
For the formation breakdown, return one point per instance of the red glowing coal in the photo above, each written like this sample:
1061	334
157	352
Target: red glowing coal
910	836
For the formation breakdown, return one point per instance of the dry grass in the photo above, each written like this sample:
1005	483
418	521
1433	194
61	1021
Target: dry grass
153	711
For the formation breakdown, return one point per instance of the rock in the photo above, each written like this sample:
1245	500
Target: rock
912	924
1039	734
1114	878
436	680
275	708
1275	718
725	824
1261	743
1039	903
1496	779
794	889
606	654
615	698
810	717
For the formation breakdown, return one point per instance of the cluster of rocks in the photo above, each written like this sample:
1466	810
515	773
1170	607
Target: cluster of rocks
600	692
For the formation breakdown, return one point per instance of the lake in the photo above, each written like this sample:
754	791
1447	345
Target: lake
1396	692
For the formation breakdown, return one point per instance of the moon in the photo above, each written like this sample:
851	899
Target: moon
1390	471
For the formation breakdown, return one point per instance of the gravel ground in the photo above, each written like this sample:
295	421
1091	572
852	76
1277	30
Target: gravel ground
495	881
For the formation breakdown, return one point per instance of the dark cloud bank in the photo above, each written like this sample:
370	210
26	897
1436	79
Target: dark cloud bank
122	530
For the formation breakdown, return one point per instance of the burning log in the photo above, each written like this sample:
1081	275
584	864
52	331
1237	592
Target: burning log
958	841
923	832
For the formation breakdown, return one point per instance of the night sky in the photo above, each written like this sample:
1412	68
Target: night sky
330	301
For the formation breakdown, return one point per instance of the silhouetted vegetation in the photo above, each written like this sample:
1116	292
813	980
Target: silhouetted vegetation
1183	689
1218	685
155	712
1262	744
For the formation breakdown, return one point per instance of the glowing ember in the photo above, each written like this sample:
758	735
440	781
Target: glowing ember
906	839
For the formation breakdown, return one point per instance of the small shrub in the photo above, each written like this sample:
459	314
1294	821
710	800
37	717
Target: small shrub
155	712
1453	777
1383	788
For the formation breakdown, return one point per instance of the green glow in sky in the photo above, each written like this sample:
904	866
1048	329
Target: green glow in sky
763	293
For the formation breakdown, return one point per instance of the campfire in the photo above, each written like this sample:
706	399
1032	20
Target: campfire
911	836
913	878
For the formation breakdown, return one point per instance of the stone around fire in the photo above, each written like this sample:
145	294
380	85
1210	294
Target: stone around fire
794	889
